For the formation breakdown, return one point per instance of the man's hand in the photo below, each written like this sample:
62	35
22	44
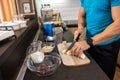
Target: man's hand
79	47
81	31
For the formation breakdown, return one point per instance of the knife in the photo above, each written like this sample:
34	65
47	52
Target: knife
72	44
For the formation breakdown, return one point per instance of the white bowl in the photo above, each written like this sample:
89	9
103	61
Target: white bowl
47	47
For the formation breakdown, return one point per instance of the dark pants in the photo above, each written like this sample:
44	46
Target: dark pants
106	57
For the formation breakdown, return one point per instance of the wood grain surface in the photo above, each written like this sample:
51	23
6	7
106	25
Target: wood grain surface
69	60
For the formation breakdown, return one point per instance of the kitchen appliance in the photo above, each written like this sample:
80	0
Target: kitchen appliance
45	9
48	30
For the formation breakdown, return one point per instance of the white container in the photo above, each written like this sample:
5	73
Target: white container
15	26
21	23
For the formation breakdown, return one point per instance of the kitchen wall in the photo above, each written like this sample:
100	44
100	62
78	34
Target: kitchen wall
5	12
20	6
67	8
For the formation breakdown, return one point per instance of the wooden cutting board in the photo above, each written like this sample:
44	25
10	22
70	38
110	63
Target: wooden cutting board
69	60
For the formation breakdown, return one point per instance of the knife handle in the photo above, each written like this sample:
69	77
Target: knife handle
77	37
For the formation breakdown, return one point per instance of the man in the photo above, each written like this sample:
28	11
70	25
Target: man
102	21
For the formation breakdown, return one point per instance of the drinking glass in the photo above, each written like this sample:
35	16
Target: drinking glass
58	35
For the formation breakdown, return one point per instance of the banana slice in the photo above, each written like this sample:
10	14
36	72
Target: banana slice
64	51
82	56
68	52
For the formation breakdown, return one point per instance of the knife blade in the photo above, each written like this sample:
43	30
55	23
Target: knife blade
72	44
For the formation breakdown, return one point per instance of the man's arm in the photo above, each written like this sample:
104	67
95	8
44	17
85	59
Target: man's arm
81	23
81	18
112	30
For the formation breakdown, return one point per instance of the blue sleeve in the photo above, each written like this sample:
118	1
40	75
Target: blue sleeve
115	3
81	2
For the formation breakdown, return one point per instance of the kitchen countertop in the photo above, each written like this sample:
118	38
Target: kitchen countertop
5	44
87	72
12	52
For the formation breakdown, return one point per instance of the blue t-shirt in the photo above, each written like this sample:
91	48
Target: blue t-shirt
98	16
